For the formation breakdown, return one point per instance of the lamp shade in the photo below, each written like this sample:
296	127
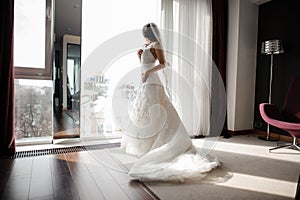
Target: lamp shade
271	47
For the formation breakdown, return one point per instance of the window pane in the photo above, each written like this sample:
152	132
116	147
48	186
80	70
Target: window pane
29	33
96	117
33	109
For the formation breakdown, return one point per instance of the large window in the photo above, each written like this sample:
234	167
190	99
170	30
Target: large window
32	61
32	39
33	109
126	18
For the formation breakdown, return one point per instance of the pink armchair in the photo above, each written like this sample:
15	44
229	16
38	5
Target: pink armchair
289	118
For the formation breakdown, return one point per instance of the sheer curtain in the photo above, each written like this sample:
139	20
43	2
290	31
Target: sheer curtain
189	48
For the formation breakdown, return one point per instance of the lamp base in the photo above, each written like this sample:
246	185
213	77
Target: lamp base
267	138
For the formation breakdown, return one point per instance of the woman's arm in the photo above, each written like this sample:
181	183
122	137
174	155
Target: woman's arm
139	53
158	53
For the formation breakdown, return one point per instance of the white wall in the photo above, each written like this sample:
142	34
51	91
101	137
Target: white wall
241	64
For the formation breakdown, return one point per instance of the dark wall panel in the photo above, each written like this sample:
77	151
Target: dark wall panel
278	19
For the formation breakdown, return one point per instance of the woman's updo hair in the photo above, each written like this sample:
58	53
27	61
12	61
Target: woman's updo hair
151	31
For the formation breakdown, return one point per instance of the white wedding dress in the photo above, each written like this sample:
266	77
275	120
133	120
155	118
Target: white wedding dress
157	136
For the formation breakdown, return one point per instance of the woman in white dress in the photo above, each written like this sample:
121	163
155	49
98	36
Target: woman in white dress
156	133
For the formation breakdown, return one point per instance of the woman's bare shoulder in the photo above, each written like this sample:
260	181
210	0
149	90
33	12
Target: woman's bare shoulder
156	45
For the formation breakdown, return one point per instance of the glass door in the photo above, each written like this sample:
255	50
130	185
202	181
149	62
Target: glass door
67	90
108	57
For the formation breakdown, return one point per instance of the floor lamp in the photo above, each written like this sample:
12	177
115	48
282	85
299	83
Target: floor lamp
270	47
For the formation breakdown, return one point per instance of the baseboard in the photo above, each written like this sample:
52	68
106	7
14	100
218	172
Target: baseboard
240	132
59	150
276	136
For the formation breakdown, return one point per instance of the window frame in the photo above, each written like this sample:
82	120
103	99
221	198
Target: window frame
27	72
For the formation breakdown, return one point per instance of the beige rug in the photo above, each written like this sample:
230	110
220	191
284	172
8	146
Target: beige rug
248	171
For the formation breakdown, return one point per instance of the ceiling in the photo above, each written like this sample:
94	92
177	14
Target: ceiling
67	18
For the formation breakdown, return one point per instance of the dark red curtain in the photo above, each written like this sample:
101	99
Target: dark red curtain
220	23
219	51
7	140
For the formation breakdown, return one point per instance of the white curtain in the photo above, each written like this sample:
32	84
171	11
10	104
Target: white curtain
189	48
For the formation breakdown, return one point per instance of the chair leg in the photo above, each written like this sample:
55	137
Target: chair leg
294	145
279	147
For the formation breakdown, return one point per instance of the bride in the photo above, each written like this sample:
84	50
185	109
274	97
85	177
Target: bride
156	134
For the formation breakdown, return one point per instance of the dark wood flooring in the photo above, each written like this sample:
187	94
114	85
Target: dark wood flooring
64	125
72	176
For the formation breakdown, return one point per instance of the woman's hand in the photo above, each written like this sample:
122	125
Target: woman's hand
145	76
139	53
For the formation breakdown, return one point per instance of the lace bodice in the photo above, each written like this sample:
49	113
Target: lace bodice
147	57
148	62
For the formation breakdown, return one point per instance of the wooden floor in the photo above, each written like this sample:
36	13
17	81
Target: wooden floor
74	175
66	176
80	175
64	125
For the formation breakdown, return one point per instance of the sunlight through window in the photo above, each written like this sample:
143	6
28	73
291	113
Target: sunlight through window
100	23
29	33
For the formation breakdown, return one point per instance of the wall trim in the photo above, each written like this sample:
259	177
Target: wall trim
240	132
263	133
276	136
